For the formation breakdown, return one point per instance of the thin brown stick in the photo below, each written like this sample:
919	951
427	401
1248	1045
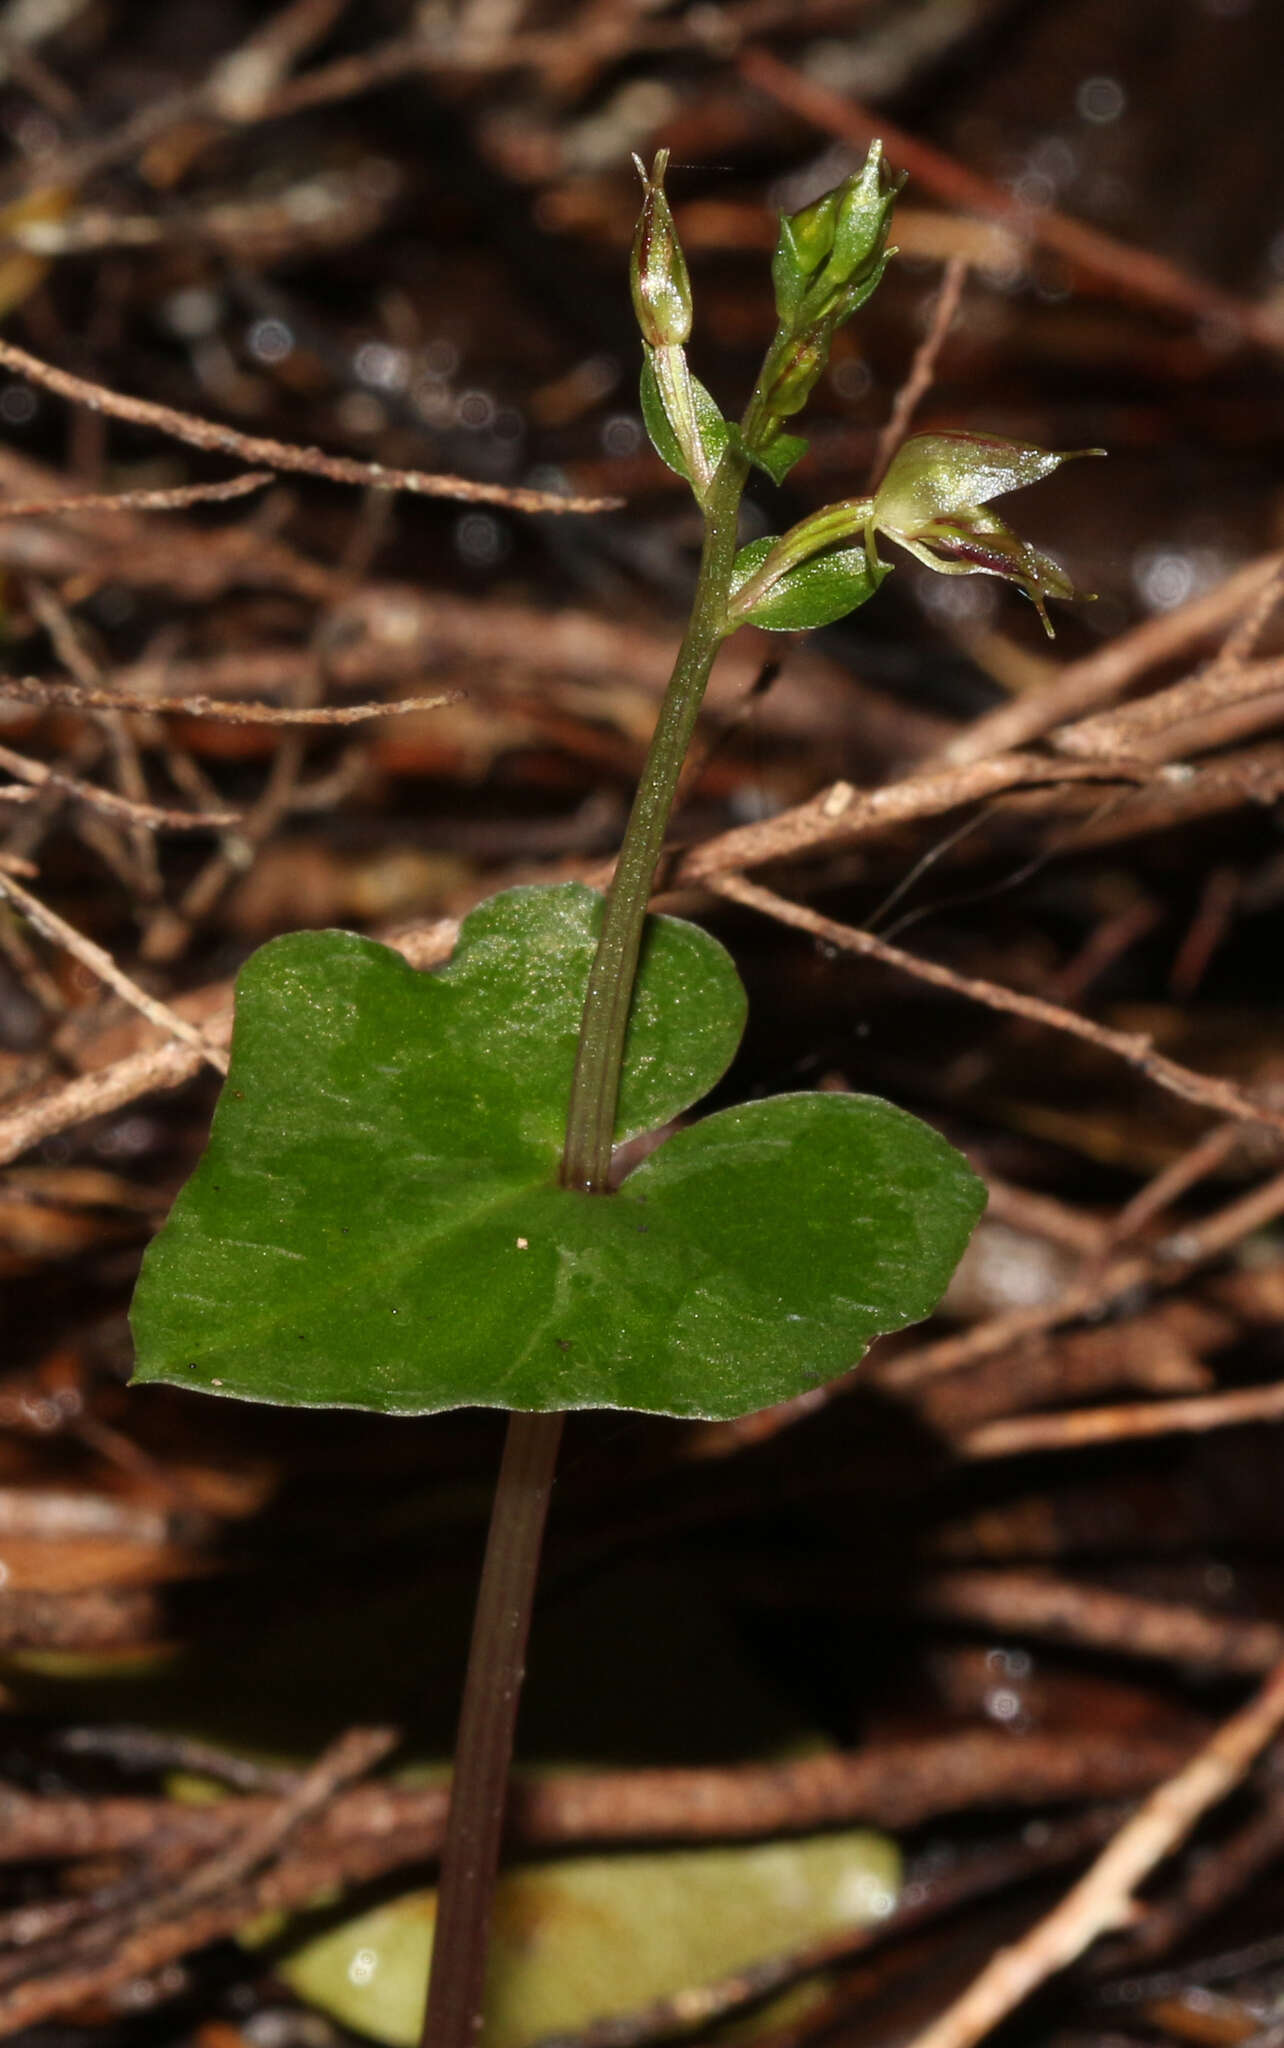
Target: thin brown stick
144	882
1103	675
159	1893
1248	628
172	1920
1181	795
352	1755
841	813
296	1880
1136	1047
241	85
40	776
363	71
172	1063
1051	1609
138	501
82	1619
1044	1216
163	1066
922	369
1169	1185
1124	732
100	963
887	1784
1017	1435
135	1748
1103	1899
1195	1243
1094	1291
1156	1353
1207	1887
231	711
283	455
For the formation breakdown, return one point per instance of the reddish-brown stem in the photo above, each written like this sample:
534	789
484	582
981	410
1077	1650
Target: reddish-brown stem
487	1718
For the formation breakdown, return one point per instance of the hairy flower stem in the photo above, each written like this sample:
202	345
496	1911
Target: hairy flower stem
590	1123
483	1749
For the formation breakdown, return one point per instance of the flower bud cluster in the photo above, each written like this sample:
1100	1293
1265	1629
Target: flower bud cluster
829	259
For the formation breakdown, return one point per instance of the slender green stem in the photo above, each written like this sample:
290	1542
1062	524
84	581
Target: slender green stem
470	1857
590	1123
487	1718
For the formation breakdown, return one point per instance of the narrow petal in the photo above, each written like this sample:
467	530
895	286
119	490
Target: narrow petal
979	544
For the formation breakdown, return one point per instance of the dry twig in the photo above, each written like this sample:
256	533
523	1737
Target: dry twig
922	369
231	711
217	439
1126	732
1105	674
925	1900
841	814
1136	1047
175	500
1017	1435
100	963
39	776
1103	1899
1036	1604
889	1784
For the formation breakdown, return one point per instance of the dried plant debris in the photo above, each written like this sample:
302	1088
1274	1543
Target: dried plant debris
316	363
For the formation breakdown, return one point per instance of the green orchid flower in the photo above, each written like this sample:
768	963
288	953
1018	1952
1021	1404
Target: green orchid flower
933	501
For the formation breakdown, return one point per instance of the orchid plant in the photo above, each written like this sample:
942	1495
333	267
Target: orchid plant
410	1199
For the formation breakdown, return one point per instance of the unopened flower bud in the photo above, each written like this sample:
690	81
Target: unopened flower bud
794	378
658	273
833	247
806	239
828	261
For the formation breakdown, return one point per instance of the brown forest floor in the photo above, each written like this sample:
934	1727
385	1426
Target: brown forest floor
1023	1568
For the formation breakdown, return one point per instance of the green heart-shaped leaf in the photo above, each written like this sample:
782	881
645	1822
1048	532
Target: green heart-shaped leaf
378	1223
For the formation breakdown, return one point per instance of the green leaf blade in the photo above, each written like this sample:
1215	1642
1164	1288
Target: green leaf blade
378	1222
818	592
775	458
812	1224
